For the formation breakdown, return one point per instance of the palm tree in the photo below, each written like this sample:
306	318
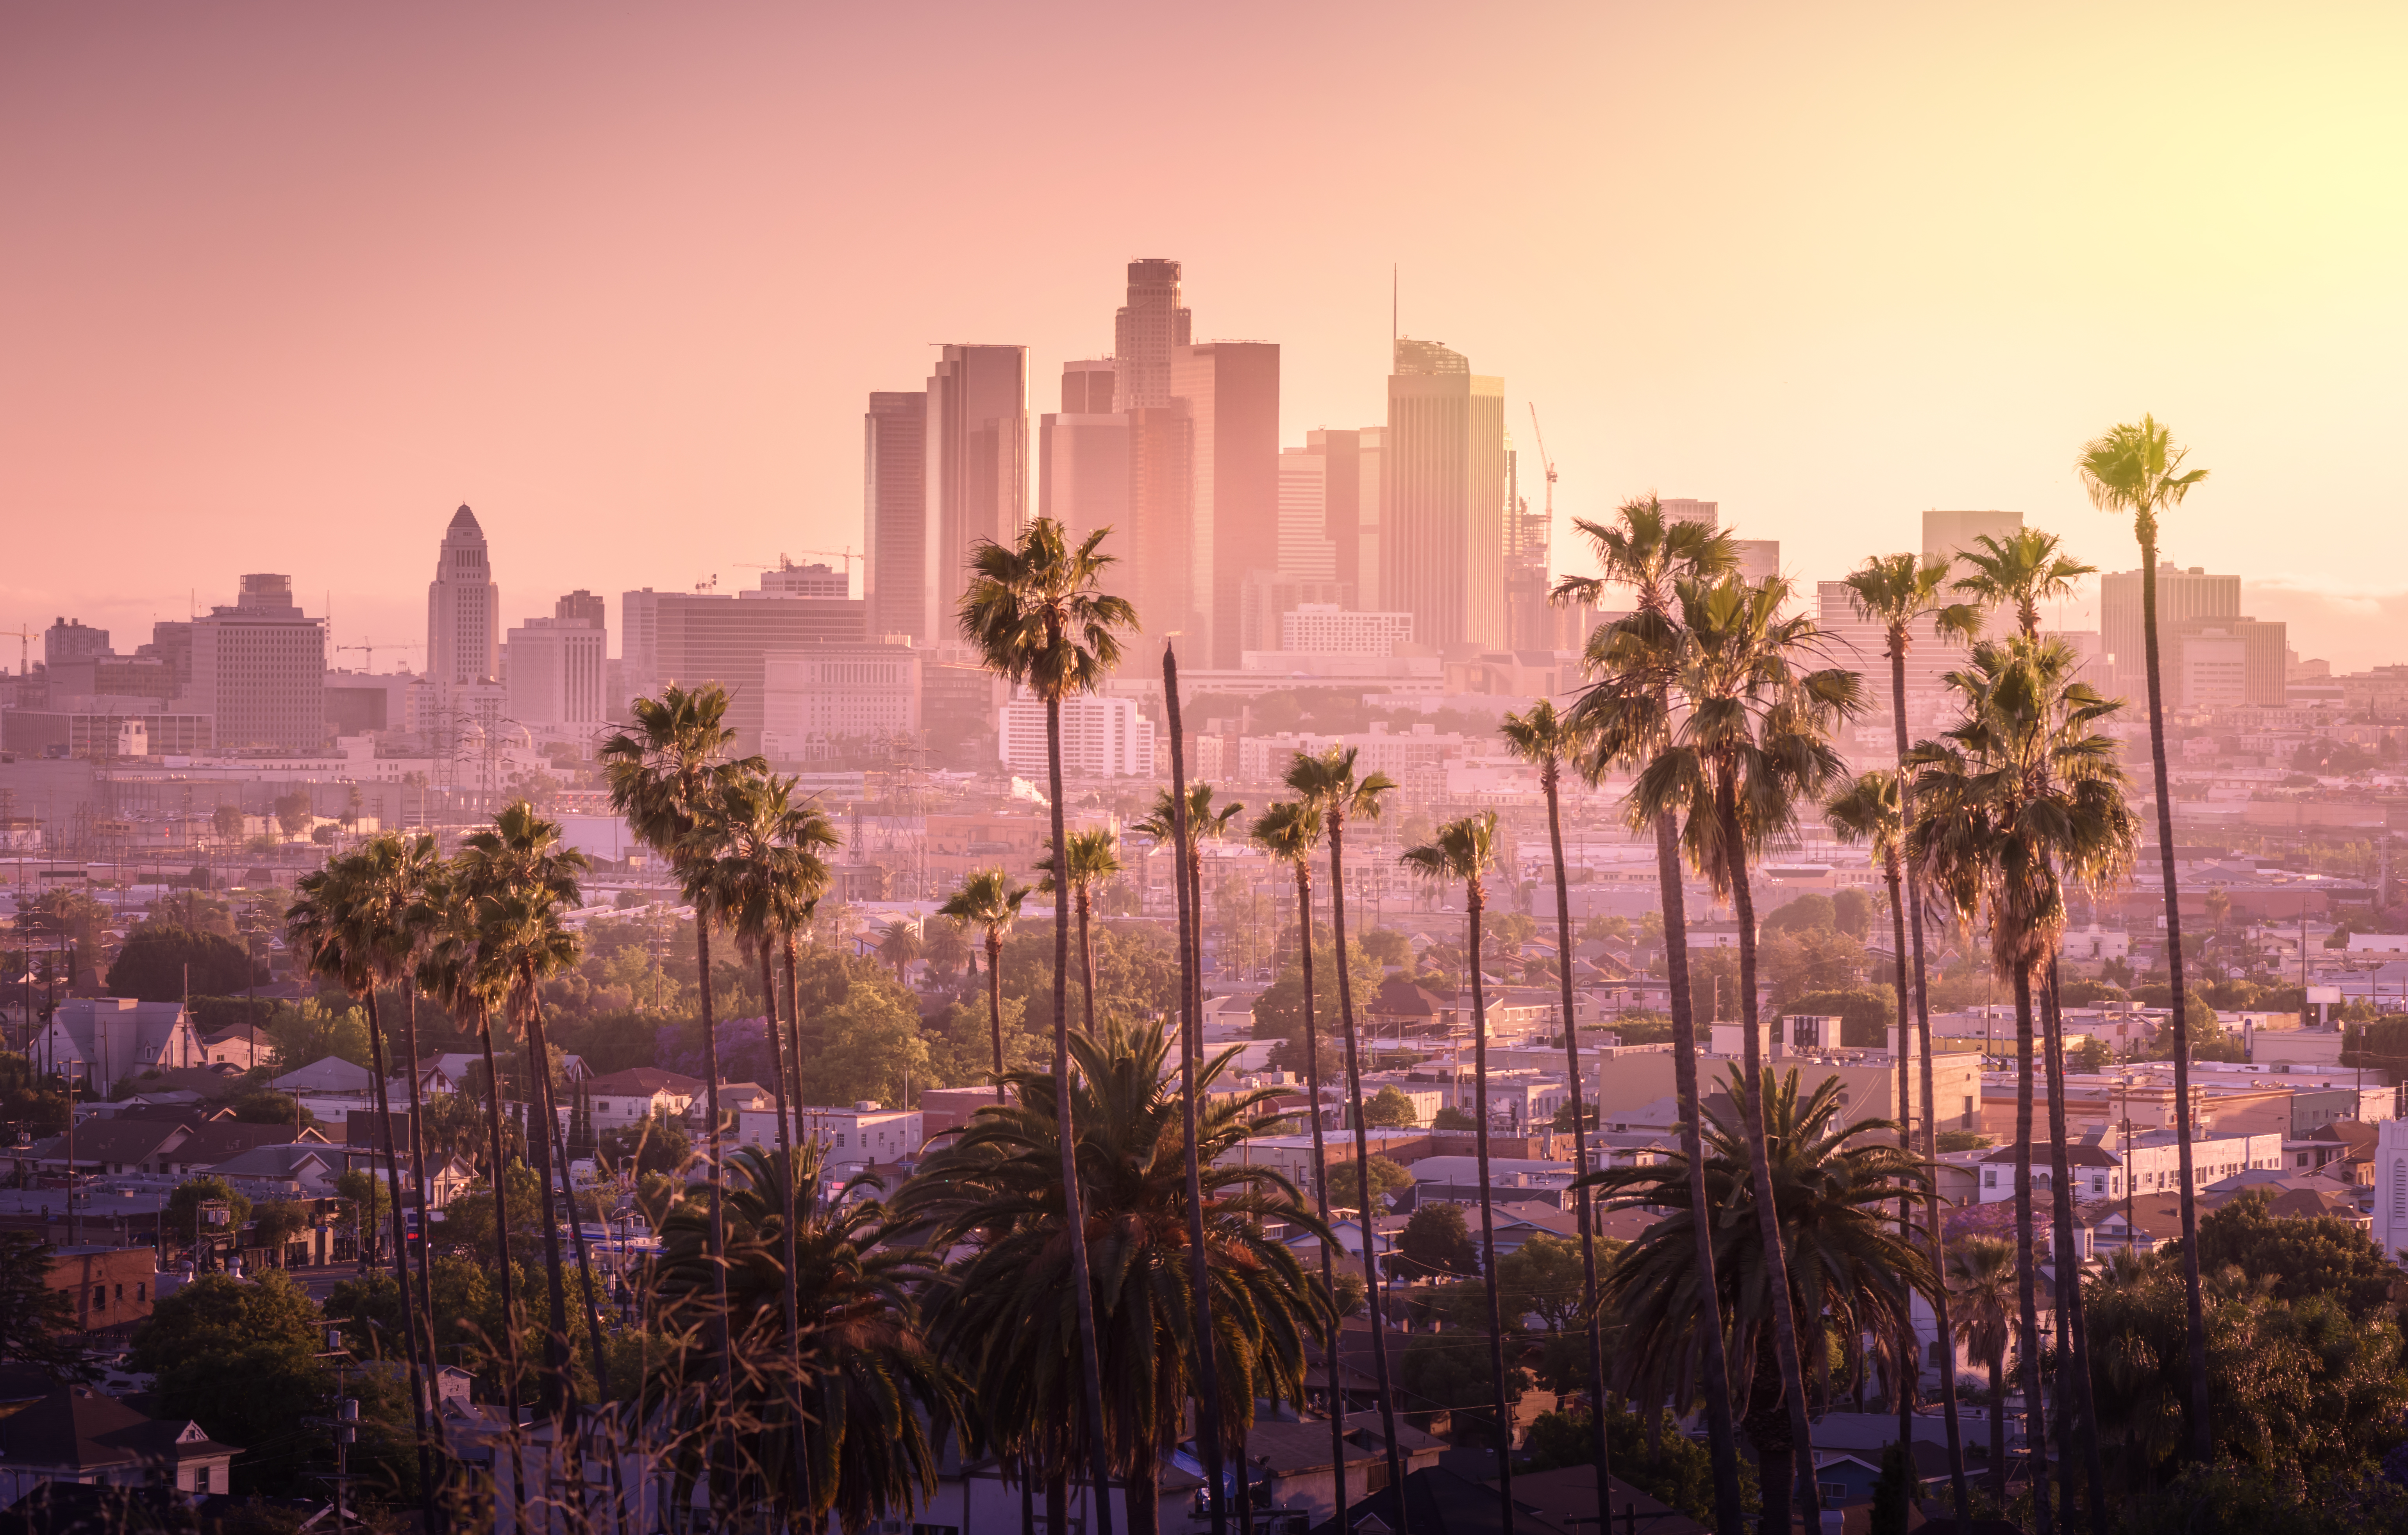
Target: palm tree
1465	850
1035	612
522	878
1754	743
848	1431
1094	856
1980	1278
661	774
1649	552
989	901
1832	1253
898	944
1326	783
2021	795
2022	570
1002	1315
1550	739
1288	832
347	920
2135	470
767	876
421	864
1900	591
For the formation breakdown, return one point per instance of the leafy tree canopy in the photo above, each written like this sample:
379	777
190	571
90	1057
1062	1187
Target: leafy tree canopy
1437	1241
164	963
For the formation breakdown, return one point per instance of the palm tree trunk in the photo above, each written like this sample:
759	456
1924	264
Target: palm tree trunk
1209	1409
1145	1491
1363	1168
1722	1437
1074	1204
1551	776
2202	1437
1472	902
1086	963
539	1138
1940	1321
419	1379
1759	1162
995	1003
1321	1192
426	1228
718	1328
786	1227
1909	1364
1999	1425
2028	1301
2082	1404
509	1270
593	1309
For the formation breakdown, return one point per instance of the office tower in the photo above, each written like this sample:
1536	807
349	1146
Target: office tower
557	673
1862	645
259	670
1760	559
1371	492
1101	738
1442	497
895	514
976	468
695	637
584	606
1166	562
1320	629
1083	457
1150	328
171	643
2209	651
1306	552
1343	498
1228	391
463	609
839	699
69	639
818	580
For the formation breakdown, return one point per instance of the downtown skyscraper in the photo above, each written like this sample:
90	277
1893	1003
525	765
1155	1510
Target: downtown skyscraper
1443	489
976	461
1146	334
894	513
463	609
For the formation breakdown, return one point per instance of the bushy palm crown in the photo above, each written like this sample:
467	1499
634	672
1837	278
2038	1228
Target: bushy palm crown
987	900
1033	610
2022	570
1325	780
1460	852
1865	812
1006	1311
1288	831
353	918
754	857
1980	1272
1647	552
1543	735
1847	1262
2135	470
2023	796
877	1400
1093	856
1894	590
668	767
521	878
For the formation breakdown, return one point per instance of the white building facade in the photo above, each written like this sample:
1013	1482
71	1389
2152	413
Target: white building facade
1101	738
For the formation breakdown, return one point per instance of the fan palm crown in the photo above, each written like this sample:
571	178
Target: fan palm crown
2022	570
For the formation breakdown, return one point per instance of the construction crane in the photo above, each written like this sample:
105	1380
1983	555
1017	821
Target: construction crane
370	647
24	648
845	555
1547	464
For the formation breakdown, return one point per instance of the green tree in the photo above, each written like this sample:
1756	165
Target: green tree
2136	470
238	1357
1543	1278
2297	1258
36	1321
1281	1012
869	1047
1387	947
1981	1282
1627	710
1437	1240
1853	912
301	1036
1445	1369
277	1223
162	963
184	1210
1002	1317
1389	1109
1660	1460
1806	914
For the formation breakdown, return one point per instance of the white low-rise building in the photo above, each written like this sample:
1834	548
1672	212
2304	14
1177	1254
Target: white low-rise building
2097	1163
857	1136
2391	1186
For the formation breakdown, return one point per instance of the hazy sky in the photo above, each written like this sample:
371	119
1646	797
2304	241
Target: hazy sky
281	284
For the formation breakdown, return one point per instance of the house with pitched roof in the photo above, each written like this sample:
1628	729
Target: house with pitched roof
116	1037
78	1435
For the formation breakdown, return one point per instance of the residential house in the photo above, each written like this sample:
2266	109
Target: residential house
623	1099
857	1137
242	1047
113	1037
110	1288
77	1435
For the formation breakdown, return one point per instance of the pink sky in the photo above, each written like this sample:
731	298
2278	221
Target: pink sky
285	283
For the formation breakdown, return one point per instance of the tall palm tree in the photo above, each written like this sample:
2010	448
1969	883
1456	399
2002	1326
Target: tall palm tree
765	875
2135	470
2023	794
1550	741
1326	784
1981	1277
1753	744
1464	852
989	901
420	866
1038	613
898	944
1648	552
1903	594
1289	832
1001	1314
347	920
662	773
1832	1253
863	1441
524	877
2022	570
1093	857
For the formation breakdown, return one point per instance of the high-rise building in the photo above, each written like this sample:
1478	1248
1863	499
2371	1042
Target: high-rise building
557	673
1326	629
1083	457
818	581
1862	645
1343	497
70	640
1442	497
171	643
463	609
259	670
977	470
895	514
585	606
820	702
1306	550
2208	651
1760	559
1371	492
1101	738
693	637
1229	392
1150	328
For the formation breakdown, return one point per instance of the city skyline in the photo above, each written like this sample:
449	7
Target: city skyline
1793	348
